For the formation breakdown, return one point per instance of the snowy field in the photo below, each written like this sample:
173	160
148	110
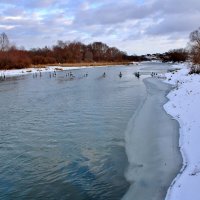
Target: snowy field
184	106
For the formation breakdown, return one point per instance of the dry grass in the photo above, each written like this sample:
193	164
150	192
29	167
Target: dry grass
82	64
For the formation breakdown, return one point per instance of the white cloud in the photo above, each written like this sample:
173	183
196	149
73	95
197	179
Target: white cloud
136	26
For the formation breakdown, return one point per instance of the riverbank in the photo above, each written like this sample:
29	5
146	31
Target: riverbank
183	105
58	67
85	64
19	72
81	64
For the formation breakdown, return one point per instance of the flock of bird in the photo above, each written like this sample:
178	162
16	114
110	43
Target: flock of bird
71	75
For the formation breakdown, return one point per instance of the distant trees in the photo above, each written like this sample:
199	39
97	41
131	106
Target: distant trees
75	52
62	52
136	58
175	55
14	59
178	55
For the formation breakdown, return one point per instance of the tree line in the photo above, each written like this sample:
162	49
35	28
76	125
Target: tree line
76	52
61	53
191	53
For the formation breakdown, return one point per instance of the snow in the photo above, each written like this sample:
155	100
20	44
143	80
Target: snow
184	106
18	72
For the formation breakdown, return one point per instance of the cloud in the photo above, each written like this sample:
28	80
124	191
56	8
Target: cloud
109	14
177	6
175	23
133	25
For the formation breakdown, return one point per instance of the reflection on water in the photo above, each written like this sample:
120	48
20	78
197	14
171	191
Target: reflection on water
63	138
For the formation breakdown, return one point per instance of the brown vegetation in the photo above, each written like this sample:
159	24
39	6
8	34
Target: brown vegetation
83	64
14	59
175	55
63	54
195	51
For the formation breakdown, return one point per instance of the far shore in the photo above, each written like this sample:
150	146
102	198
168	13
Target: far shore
58	67
81	64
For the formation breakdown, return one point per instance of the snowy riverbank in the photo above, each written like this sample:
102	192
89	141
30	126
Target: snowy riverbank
18	72
184	106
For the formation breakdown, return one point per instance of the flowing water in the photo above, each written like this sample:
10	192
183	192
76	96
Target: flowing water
86	137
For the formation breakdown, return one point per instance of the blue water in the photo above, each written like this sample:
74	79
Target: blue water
63	138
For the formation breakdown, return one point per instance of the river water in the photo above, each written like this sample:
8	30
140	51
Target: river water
87	138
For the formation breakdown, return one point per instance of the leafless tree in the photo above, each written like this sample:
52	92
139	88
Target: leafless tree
195	37
195	46
4	42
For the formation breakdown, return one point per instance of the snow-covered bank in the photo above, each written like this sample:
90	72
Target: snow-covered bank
184	106
18	72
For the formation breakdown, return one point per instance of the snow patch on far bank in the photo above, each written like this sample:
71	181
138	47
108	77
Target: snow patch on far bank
184	106
18	72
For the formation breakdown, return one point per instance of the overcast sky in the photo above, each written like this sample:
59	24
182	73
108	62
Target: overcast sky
134	26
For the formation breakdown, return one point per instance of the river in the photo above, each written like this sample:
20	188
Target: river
87	138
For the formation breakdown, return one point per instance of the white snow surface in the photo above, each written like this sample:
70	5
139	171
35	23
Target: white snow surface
184	106
18	72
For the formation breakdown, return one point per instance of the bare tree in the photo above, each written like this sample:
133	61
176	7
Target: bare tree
4	42
195	37
195	46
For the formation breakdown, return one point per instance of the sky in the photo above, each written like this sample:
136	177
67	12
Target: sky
135	26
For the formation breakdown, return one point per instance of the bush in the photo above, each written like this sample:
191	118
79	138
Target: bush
195	51
195	69
14	59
